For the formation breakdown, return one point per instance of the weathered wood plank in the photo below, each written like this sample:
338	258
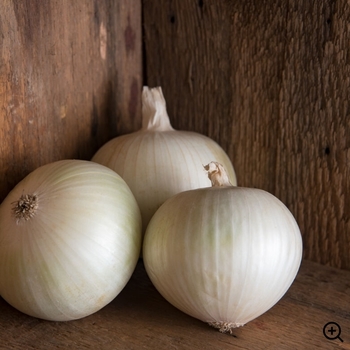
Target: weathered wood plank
270	81
139	318
70	79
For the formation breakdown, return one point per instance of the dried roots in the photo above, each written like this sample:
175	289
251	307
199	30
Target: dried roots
225	327
25	207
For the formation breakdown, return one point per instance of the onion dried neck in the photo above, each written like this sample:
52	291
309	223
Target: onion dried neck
217	175
25	207
154	114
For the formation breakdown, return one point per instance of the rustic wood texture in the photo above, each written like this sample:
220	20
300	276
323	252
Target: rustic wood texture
139	318
70	79
270	82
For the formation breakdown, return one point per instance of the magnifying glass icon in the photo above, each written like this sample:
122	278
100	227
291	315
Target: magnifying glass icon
332	331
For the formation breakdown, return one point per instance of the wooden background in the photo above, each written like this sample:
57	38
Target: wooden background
268	80
70	79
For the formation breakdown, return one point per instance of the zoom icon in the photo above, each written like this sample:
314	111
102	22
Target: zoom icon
332	331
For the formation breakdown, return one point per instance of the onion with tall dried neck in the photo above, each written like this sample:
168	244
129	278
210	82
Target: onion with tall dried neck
157	161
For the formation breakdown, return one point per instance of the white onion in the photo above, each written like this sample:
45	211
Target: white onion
157	161
70	238
224	254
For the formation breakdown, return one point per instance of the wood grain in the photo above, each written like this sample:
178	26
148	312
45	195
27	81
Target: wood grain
139	318
70	79
270	82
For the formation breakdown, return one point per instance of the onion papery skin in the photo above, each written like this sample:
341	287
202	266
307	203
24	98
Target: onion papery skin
224	255
157	165
78	250
157	161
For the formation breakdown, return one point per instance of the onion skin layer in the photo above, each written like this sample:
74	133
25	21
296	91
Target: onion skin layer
223	255
149	164
78	250
158	161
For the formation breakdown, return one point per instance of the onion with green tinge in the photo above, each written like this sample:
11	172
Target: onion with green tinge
70	238
222	254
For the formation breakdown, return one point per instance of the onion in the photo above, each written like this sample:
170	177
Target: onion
223	254
70	238
148	160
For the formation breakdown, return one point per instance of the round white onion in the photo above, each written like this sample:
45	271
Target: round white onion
70	238
224	254
148	160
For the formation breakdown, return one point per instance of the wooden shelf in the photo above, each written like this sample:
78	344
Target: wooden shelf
139	318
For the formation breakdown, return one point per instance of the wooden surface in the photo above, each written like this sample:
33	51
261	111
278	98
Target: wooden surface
139	318
70	79
270	82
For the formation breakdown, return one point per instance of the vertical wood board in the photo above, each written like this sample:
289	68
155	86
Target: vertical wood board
270	82
70	79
